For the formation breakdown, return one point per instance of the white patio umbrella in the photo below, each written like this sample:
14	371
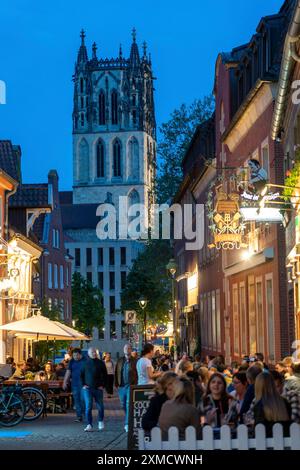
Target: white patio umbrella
42	328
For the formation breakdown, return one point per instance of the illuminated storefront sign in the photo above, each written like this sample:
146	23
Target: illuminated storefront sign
266	214
226	221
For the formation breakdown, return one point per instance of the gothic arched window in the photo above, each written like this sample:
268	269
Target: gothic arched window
117	158
81	85
83	161
133	158
114	107
101	108
82	119
100	160
133	197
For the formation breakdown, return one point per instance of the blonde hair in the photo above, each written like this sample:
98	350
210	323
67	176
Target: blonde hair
273	404
163	382
185	366
203	372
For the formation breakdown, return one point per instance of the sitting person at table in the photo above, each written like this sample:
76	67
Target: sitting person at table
60	371
49	372
40	376
10	361
21	371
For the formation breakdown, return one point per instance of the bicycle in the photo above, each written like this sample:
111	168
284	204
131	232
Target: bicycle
12	407
35	403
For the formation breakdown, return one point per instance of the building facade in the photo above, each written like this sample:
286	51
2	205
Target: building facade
199	299
286	129
114	153
256	308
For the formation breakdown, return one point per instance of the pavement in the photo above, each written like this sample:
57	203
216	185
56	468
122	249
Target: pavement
60	432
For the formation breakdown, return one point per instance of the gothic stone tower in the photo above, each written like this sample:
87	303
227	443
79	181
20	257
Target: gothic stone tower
113	127
113	155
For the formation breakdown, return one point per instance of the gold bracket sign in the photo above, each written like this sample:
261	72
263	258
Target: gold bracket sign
225	220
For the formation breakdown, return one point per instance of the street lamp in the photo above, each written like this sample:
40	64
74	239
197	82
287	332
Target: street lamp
143	304
172	269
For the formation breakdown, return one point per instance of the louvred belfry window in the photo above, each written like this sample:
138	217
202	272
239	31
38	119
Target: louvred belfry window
117	158
100	159
114	107
101	108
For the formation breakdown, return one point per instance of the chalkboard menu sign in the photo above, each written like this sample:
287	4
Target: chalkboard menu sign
140	396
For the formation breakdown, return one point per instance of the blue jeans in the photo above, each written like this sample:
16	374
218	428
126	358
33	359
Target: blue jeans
124	395
88	395
77	397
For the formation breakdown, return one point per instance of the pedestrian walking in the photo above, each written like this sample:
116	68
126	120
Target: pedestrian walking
125	375
94	379
73	376
110	375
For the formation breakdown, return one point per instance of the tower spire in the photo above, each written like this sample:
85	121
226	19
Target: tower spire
120	52
145	50
133	33
94	48
82	53
134	52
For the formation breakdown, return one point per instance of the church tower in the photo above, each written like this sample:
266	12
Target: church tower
114	152
114	131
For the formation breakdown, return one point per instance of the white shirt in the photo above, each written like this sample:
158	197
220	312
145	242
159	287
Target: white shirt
141	367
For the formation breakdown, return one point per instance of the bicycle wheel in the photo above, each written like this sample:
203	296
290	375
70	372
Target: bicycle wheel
12	410
34	401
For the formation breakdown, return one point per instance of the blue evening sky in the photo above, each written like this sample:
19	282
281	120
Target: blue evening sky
38	47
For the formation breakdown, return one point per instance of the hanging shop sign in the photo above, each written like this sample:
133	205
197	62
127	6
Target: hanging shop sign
130	317
226	221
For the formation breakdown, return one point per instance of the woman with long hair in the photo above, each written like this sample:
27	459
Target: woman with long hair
110	375
180	411
269	407
164	391
217	407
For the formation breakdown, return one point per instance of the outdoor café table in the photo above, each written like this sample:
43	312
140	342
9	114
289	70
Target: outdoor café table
52	384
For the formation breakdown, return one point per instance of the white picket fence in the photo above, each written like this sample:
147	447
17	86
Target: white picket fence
241	442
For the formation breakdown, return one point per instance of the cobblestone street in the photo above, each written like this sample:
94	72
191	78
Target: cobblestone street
59	431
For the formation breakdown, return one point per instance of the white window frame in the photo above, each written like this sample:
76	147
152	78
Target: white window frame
236	320
260	329
50	278
269	277
55	276
265	144
61	276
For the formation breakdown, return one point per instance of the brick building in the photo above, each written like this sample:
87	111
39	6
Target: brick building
286	129
199	293
34	211
255	315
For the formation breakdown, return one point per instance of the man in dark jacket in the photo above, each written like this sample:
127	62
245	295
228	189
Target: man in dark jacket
125	375
93	377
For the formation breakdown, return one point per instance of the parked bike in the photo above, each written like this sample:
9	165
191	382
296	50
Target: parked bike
12	406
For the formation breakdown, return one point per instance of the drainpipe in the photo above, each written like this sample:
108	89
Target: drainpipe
290	55
7	196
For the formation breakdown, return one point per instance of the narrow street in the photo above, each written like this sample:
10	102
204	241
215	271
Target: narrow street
60	432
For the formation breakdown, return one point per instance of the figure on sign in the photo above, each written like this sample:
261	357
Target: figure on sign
258	176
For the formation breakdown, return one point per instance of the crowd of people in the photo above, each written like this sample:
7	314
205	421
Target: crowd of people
188	392
197	392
